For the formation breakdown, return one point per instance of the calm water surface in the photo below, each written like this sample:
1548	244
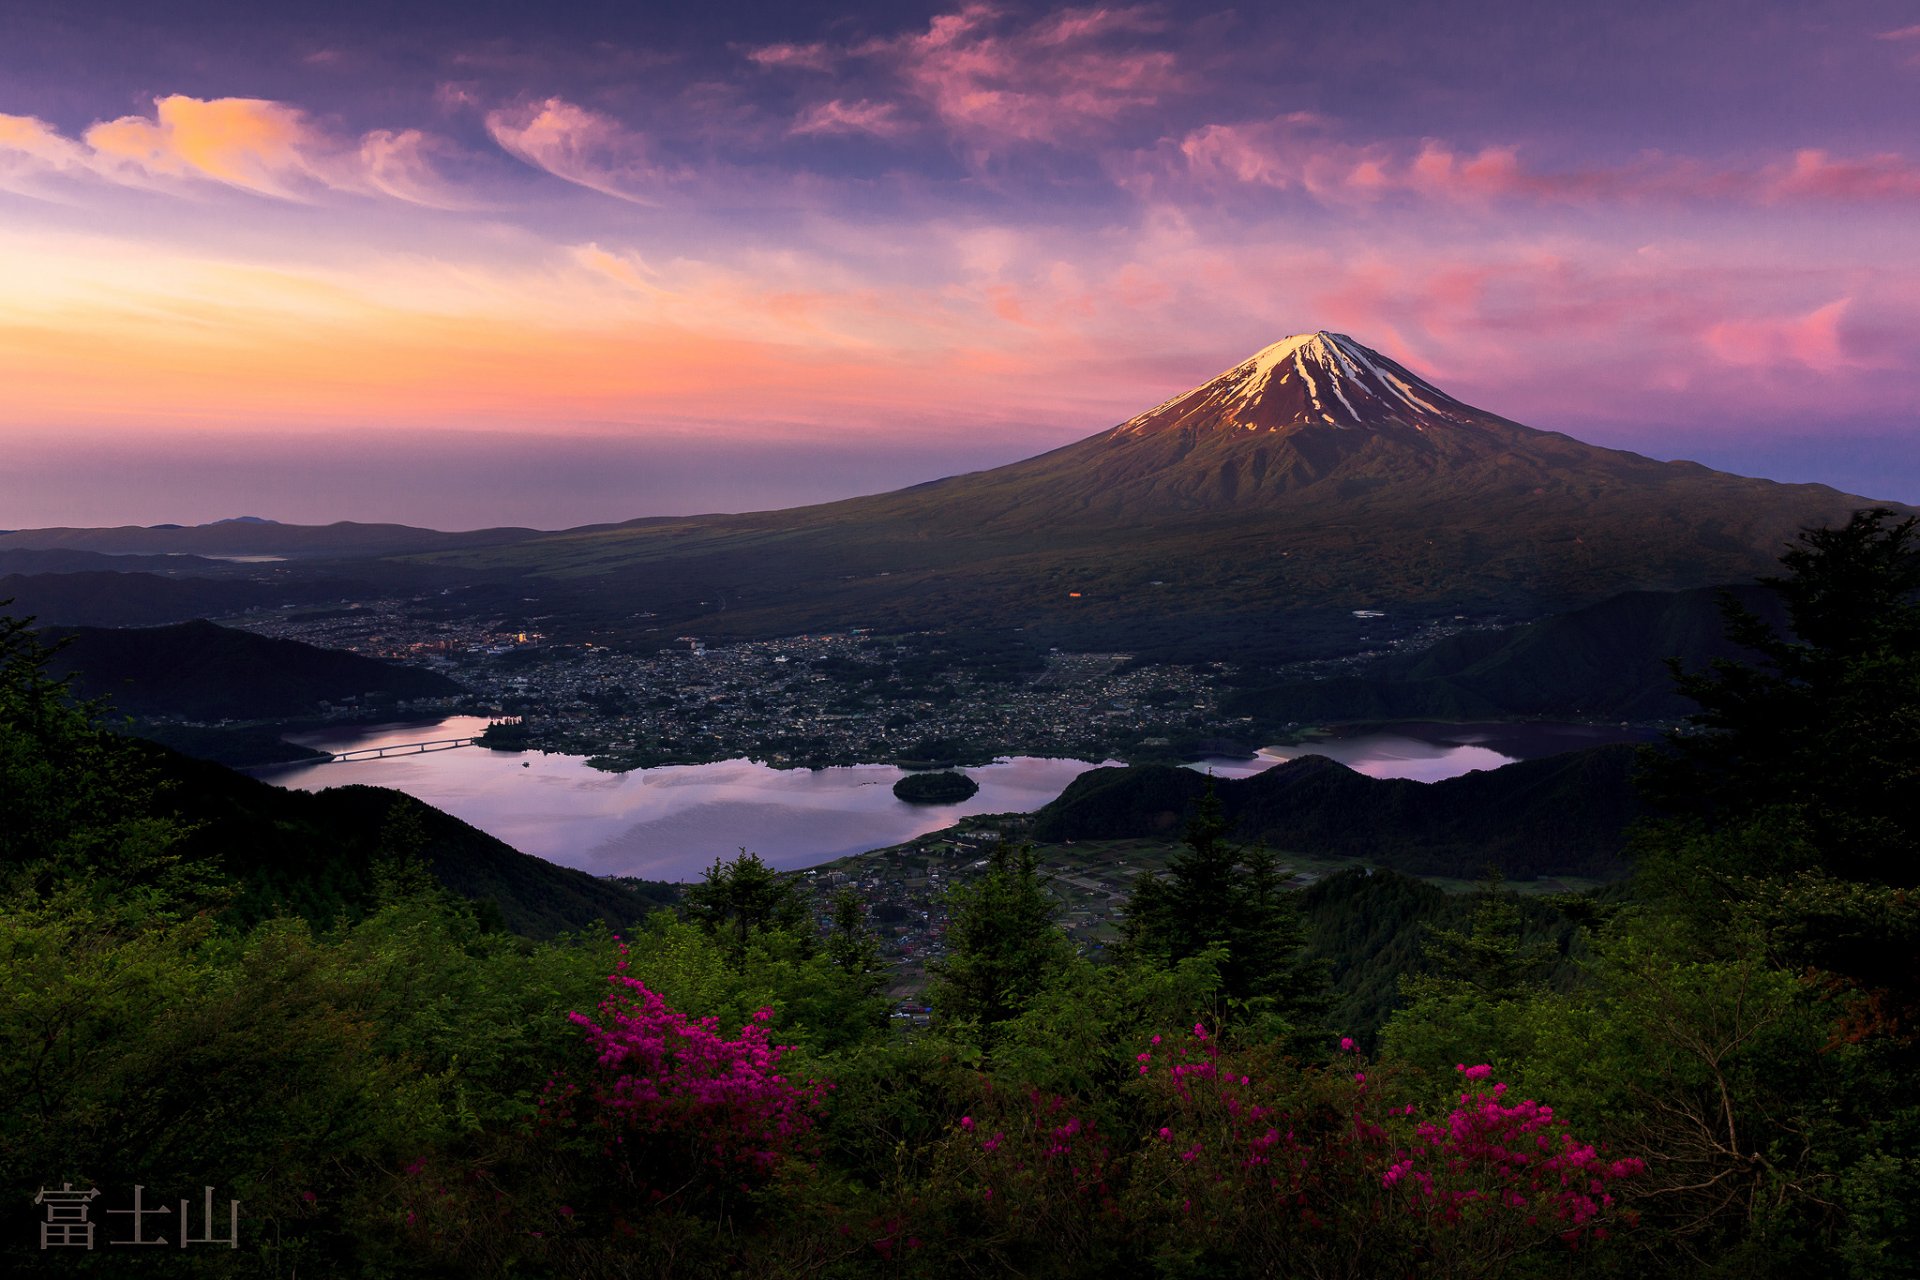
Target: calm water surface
1428	752
670	823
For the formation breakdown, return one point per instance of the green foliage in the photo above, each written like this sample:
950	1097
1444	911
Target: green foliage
739	899
1217	894
1003	946
78	805
1790	800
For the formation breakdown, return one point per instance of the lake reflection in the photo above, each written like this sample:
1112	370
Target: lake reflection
1434	752
668	823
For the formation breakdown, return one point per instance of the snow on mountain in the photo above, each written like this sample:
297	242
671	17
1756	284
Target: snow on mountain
1308	379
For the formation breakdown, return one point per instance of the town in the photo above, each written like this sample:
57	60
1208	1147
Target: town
810	701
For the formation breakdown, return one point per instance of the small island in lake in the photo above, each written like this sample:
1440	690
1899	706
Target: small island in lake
935	788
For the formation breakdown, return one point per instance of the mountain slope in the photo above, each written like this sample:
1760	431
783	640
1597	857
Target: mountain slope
316	854
1608	659
1315	477
200	671
254	537
1559	815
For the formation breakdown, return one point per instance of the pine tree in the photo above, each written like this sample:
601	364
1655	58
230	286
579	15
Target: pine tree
737	899
1217	894
1003	945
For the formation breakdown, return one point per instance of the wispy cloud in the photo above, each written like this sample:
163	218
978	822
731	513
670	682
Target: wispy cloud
880	119
993	77
256	145
1056	78
1285	156
804	57
580	146
1812	339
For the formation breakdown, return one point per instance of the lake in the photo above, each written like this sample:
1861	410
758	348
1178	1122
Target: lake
1432	752
670	823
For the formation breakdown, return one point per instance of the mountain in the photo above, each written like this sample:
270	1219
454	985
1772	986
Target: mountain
1608	659
317	854
105	598
252	536
1247	516
62	560
200	671
1558	815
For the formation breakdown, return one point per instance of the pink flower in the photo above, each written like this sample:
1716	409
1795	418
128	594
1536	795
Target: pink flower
1480	1072
1346	1042
966	1122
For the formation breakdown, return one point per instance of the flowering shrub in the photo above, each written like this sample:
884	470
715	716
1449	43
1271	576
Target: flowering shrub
680	1106
1507	1173
1243	1156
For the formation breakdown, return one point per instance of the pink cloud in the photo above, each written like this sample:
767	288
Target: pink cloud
1042	82
1812	339
1901	33
1816	175
993	77
578	145
801	57
1283	156
881	119
256	145
31	148
407	165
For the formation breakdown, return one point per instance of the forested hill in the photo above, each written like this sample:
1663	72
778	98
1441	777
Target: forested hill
1560	815
201	671
1609	659
318	854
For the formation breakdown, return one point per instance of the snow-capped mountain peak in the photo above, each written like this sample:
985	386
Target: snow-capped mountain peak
1308	379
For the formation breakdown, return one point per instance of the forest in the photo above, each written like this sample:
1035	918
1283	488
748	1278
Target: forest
1708	1069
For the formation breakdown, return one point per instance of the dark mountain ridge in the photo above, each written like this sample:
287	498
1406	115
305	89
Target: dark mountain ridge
250	536
1607	660
200	671
1560	815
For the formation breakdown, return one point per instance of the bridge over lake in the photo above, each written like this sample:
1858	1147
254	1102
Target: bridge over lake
376	753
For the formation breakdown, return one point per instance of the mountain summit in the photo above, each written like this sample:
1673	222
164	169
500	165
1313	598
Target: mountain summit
1309	379
1314	478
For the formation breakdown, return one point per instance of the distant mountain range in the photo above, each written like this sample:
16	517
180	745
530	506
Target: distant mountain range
252	536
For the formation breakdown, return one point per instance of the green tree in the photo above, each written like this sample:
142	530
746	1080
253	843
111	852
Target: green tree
80	806
739	899
1218	895
1791	799
1822	732
1003	945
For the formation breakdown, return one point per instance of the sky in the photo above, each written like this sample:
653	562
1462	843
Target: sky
481	263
